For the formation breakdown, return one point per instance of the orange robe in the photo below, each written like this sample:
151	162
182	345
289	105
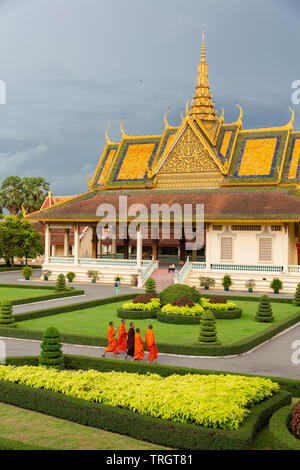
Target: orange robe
112	343
150	342
122	339
139	352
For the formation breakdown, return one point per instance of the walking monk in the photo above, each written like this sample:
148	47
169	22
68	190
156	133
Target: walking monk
122	341
139	352
130	342
112	343
150	343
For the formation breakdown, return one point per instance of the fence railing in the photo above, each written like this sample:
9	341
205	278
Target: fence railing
99	262
149	270
183	272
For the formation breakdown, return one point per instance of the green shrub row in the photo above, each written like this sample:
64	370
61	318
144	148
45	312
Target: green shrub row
227	314
281	437
55	295
137	314
250	298
107	365
156	430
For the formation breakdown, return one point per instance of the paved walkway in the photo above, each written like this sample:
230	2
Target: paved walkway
273	358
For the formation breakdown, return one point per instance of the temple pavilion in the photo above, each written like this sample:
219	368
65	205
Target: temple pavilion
247	179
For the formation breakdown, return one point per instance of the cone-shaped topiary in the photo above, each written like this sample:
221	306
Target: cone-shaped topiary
60	282
208	331
51	354
6	317
264	312
296	300
150	285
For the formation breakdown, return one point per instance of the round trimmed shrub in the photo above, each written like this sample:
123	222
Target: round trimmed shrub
208	331
150	285
296	300
6	317
264	313
177	291
60	282
51	354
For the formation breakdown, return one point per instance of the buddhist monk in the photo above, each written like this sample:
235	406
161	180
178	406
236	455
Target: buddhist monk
130	342
122	339
112	343
139	352
150	343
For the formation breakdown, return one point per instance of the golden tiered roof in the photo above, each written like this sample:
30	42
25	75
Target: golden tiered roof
202	106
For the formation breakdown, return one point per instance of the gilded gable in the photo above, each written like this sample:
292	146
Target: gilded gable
188	156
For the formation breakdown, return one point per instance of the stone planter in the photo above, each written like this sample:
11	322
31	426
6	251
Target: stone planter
45	278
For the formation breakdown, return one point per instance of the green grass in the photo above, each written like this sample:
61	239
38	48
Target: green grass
36	429
10	293
94	322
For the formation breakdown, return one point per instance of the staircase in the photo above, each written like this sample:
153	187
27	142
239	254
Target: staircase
162	278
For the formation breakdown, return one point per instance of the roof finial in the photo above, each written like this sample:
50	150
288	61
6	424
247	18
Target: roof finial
108	141
203	46
165	118
122	129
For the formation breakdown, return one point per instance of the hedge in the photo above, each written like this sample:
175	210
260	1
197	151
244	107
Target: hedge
55	295
156	430
190	350
281	437
227	314
107	365
10	444
249	298
178	319
137	314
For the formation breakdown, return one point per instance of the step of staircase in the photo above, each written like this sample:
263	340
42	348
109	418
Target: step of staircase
162	278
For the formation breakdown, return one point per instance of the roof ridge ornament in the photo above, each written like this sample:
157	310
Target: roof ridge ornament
122	128
24	212
108	141
187	109
239	121
221	118
165	118
89	181
290	123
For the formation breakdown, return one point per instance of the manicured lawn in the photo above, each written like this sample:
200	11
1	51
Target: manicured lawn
11	293
94	322
36	429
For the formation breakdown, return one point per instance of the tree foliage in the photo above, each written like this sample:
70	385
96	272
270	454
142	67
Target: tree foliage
19	239
29	191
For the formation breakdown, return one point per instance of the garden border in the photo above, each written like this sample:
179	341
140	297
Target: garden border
143	427
178	319
281	437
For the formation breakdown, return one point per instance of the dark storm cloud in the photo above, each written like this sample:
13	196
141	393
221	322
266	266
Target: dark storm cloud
74	67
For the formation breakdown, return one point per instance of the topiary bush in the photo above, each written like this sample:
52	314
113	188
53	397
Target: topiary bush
60	282
6	317
276	285
51	354
295	420
208	330
27	272
150	285
264	312
226	281
296	300
145	298
177	291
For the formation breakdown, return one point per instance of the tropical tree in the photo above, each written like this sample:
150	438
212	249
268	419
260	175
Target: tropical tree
27	191
18	238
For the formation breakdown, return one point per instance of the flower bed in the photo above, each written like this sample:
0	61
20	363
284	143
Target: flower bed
183	311
224	311
214	401
147	307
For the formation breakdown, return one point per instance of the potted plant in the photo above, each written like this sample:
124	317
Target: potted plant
134	280
46	273
94	275
276	285
206	282
250	285
227	282
70	276
27	272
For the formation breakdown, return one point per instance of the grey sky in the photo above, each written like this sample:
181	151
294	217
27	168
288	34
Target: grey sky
74	67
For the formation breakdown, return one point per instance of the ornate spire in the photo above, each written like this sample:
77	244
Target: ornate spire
202	106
